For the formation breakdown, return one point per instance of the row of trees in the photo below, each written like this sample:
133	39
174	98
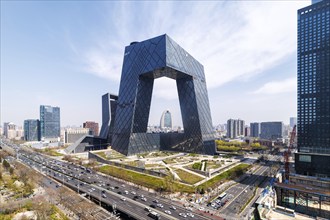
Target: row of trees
236	146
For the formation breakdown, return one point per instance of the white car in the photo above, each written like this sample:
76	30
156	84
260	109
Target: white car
168	212
133	192
183	215
201	208
172	207
144	199
123	198
160	205
190	214
126	192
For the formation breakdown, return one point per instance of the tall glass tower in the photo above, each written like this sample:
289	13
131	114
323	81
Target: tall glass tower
50	127
166	120
313	125
31	130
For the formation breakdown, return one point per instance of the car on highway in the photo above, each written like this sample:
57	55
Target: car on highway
183	215
123	198
160	205
190	214
168	212
144	199
173	207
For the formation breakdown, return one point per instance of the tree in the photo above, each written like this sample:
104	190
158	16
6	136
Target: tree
169	182
5	164
42	208
11	171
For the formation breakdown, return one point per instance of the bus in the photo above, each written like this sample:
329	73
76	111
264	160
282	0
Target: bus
285	211
154	215
222	196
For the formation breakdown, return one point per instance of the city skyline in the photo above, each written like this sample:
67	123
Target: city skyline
71	52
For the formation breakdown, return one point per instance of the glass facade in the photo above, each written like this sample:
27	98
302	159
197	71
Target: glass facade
31	130
254	129
313	62
109	105
50	127
166	120
271	130
144	62
105	115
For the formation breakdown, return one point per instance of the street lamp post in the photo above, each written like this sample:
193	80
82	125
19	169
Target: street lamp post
100	196
78	182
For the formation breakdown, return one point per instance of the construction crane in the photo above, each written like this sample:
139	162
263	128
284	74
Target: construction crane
287	154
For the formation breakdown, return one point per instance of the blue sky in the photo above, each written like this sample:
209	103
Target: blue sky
70	53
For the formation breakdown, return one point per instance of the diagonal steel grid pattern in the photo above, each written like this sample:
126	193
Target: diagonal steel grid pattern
144	62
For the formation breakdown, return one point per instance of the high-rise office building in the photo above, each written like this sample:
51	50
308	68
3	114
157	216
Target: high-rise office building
166	120
313	126
271	130
50	126
255	129
143	63
109	106
9	130
247	131
93	127
31	130
235	128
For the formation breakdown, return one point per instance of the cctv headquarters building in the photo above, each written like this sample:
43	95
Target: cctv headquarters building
143	63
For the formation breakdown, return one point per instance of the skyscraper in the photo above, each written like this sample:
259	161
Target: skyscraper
9	130
235	128
50	127
313	126
254	129
143	63
31	130
109	105
271	130
166	120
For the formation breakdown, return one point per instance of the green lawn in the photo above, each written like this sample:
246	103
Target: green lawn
143	179
112	155
152	165
213	164
229	174
188	177
169	161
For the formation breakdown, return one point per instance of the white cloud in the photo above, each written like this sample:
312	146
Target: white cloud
276	87
233	40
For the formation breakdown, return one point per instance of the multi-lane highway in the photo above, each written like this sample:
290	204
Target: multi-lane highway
136	203
239	194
